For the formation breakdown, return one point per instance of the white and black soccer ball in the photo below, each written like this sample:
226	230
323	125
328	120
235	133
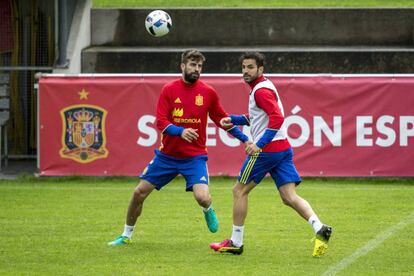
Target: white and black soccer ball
158	23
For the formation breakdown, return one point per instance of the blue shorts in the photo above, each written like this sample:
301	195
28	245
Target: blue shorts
163	168
278	164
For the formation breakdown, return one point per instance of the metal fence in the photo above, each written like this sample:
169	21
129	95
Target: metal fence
27	46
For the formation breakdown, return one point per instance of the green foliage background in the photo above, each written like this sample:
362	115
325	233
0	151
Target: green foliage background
254	3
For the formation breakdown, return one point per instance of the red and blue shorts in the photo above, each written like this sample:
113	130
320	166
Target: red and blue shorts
164	168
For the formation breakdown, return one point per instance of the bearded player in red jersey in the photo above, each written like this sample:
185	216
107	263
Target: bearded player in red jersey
182	112
270	153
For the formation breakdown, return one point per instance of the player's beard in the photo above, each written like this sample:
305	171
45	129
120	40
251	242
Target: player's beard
191	77
247	78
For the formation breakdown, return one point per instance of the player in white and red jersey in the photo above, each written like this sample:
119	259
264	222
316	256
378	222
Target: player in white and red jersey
270	152
183	108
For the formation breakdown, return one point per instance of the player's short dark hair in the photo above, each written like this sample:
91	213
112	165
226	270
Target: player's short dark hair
258	57
192	54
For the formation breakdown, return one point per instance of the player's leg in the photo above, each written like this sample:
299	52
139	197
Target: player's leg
292	199
141	192
202	195
157	174
136	203
240	208
240	201
300	205
252	172
234	245
322	232
195	172
203	198
286	178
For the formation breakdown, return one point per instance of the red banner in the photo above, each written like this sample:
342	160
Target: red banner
337	125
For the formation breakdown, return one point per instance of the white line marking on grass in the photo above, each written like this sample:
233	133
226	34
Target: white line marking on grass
370	245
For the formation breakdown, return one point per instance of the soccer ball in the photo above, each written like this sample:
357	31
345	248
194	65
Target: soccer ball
158	23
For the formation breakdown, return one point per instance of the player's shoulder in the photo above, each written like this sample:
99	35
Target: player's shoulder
263	86
265	83
170	87
172	83
206	87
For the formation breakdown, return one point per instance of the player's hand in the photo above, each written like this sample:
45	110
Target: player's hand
189	134
247	143
226	122
251	148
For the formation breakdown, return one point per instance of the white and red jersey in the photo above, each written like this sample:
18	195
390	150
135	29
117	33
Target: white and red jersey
266	112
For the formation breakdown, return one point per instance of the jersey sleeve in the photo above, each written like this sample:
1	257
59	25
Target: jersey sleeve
267	100
163	110
216	111
240	120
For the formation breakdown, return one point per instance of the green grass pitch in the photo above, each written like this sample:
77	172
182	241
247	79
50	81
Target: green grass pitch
60	226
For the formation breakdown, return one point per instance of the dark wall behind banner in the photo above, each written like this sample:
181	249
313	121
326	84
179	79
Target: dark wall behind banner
28	39
294	40
27	43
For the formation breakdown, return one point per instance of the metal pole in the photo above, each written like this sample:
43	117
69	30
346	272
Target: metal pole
24	89
56	45
36	89
62	61
25	68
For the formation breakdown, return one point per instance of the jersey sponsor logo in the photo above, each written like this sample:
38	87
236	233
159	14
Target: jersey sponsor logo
187	120
178	112
177	100
199	100
83	136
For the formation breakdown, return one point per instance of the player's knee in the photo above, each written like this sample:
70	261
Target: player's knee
288	200
236	192
203	199
239	191
139	194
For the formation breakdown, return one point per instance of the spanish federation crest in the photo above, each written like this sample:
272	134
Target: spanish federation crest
199	100
83	137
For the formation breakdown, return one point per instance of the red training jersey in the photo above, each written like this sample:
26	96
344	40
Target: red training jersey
188	106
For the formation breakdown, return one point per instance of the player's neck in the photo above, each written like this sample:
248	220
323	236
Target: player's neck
256	81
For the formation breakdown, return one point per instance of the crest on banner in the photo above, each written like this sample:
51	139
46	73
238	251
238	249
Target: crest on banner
83	137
